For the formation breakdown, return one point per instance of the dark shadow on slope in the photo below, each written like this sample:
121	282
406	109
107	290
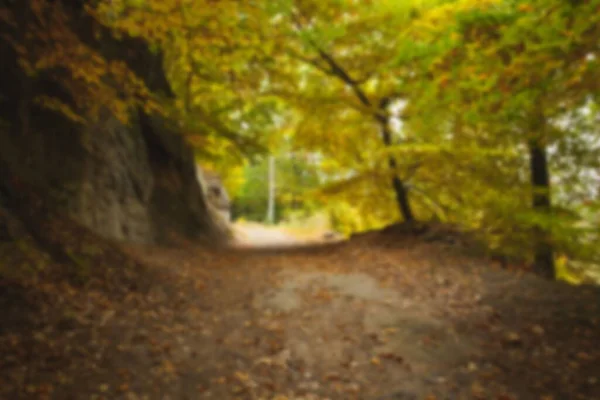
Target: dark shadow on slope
541	336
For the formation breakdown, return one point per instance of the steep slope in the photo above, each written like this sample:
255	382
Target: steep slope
132	182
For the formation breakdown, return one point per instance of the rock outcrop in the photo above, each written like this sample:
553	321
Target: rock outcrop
215	194
134	183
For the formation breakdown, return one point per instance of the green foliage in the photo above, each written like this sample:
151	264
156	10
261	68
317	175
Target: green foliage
295	179
508	67
52	50
471	84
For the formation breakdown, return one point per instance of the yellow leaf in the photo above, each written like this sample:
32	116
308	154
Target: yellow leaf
242	376
525	7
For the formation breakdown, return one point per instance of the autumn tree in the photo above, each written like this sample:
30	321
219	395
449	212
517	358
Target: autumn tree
511	73
215	58
43	36
347	87
477	113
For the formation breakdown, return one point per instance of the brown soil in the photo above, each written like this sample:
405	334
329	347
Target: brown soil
379	317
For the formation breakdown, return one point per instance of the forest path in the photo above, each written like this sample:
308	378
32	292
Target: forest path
315	323
253	235
364	319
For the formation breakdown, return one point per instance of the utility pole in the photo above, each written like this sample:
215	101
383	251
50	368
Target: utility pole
271	198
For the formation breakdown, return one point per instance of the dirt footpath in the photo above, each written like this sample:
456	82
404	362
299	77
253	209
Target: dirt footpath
415	321
252	235
356	320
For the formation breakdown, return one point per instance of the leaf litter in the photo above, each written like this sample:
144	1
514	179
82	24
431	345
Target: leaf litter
359	320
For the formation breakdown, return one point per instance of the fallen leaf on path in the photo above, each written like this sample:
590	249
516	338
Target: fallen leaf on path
512	338
574	365
477	391
332	376
237	389
242	376
392	356
537	329
584	356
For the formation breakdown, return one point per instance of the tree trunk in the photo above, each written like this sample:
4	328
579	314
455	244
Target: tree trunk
399	187
541	202
335	69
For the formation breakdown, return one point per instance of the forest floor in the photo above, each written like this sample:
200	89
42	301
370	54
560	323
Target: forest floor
380	316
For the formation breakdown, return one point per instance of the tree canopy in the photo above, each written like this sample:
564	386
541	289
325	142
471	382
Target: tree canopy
479	113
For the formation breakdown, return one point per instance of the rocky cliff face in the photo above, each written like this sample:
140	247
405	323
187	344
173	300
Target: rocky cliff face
134	183
215	194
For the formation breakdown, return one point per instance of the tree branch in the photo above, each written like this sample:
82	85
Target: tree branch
336	69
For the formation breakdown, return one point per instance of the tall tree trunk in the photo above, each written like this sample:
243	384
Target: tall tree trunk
541	203
399	187
337	70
